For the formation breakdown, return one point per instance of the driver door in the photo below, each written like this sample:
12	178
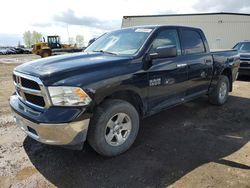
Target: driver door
167	76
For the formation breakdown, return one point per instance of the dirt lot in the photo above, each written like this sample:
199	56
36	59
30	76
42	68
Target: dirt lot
192	145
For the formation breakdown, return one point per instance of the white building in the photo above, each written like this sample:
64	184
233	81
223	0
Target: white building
223	30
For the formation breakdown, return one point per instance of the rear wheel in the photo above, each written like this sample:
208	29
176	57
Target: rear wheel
219	95
113	128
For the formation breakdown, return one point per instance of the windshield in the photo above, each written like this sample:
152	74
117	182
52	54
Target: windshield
121	42
243	47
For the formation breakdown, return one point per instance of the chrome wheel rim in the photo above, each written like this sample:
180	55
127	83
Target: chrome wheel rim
223	91
118	129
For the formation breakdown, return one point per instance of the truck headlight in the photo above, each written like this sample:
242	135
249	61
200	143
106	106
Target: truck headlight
68	96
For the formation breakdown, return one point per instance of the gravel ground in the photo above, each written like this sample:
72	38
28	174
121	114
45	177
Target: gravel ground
192	145
20	58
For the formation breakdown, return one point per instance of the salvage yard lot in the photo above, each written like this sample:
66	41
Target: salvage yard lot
192	145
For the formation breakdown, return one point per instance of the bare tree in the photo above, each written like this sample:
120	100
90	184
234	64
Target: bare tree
80	40
36	37
27	37
71	41
31	38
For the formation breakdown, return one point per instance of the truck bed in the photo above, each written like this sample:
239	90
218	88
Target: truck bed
223	55
231	57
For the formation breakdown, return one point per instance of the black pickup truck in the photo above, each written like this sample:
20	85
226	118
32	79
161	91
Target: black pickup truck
101	94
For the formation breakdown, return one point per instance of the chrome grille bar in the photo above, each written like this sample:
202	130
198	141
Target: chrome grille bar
21	90
29	91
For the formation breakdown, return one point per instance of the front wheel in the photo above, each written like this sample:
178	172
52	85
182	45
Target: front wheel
45	53
113	128
219	95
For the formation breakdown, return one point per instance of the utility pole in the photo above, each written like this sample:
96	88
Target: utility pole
68	33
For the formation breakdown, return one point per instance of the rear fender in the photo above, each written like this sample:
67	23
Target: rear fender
221	69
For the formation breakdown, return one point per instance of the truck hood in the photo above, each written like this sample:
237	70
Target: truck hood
64	64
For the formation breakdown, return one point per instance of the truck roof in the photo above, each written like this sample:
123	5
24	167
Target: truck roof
159	26
196	14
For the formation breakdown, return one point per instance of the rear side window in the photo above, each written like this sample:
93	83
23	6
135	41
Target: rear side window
192	42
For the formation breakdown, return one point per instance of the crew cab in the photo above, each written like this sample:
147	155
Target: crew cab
100	95
244	51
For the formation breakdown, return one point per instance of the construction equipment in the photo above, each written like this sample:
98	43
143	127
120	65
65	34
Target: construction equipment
53	46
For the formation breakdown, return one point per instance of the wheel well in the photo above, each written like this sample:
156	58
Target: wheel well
227	72
131	97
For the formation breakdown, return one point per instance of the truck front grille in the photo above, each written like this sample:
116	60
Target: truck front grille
29	84
30	90
38	100
245	64
245	60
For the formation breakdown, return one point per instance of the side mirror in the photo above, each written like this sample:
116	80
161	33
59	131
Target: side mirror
91	41
164	52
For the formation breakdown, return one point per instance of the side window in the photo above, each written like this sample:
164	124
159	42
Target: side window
192	42
165	38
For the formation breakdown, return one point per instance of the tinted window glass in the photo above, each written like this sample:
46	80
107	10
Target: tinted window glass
121	42
245	46
192	42
165	38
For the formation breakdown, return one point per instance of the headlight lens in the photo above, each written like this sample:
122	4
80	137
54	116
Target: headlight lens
68	96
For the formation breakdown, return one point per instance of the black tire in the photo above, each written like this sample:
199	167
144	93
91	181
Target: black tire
45	53
98	127
215	97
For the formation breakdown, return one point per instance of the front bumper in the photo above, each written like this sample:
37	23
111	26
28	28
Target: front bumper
244	71
66	134
244	68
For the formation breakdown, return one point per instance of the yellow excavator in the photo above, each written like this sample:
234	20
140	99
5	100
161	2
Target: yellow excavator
53	46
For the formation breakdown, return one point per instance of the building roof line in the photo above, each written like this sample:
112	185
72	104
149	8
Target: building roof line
195	14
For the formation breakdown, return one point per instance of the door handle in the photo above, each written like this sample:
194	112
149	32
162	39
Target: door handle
181	65
208	61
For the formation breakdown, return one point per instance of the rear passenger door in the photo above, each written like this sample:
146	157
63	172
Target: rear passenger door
198	60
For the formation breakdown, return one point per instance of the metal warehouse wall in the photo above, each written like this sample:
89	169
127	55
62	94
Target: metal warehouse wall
223	31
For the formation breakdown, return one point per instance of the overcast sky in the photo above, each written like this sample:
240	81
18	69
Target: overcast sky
91	18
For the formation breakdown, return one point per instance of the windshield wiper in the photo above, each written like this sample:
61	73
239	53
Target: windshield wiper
106	52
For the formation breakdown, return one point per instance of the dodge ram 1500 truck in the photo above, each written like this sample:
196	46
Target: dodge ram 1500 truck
101	94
